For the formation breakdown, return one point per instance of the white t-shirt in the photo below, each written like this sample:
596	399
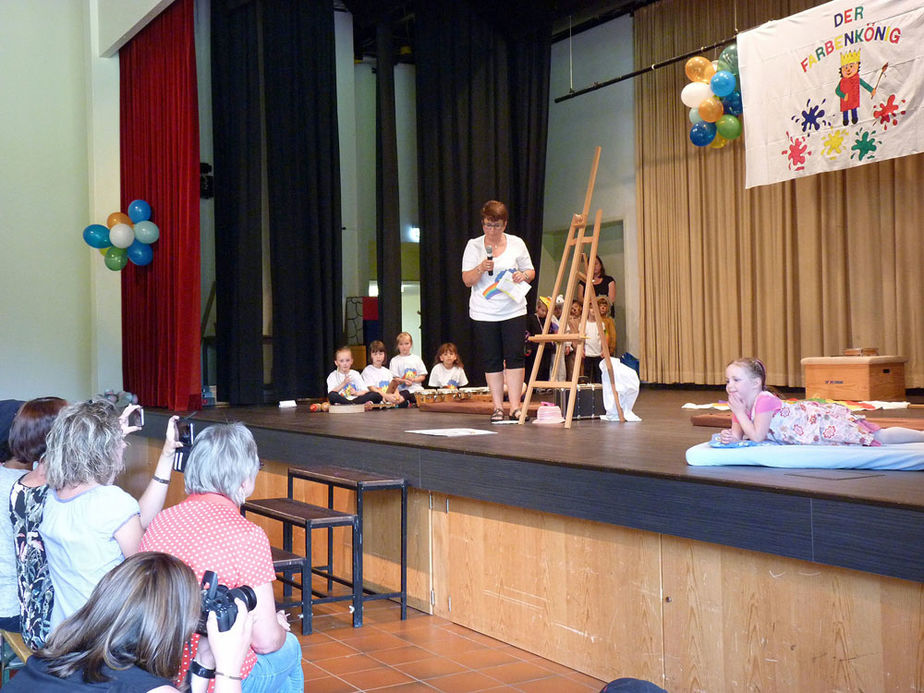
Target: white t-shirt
593	345
410	366
80	541
448	377
9	593
487	302
347	384
377	377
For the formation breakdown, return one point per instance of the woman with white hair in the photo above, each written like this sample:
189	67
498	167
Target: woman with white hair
207	532
90	525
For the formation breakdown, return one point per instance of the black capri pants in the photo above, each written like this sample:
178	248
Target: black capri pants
501	343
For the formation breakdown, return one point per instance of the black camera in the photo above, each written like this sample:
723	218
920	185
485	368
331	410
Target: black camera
220	599
186	435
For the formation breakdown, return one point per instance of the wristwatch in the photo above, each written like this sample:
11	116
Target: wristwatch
197	669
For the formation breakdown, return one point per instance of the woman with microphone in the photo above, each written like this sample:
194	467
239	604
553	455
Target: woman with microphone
489	264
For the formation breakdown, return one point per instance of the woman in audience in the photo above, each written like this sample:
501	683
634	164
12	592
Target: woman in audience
207	532
130	635
34	593
90	525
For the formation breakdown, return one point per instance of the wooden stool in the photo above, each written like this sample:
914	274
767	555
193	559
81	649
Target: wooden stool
13	656
360	482
309	517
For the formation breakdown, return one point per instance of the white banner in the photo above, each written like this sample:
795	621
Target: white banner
835	86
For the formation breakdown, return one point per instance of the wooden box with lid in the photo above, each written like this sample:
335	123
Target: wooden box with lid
855	377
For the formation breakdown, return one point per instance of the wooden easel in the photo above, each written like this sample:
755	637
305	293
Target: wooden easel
581	269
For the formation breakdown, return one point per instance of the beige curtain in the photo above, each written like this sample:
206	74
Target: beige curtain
796	269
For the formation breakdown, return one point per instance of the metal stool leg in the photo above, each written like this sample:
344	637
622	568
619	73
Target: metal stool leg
404	552
330	542
357	575
307	582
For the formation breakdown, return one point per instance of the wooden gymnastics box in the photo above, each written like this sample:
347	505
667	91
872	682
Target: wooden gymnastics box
855	377
587	405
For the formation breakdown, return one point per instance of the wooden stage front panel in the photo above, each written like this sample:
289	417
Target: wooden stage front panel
598	547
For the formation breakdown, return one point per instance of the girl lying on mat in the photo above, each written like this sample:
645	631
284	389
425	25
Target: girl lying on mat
758	414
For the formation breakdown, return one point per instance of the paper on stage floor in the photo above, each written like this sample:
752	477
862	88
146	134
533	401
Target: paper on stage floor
453	432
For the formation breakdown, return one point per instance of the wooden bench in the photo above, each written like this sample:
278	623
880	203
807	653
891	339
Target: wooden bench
14	654
360	482
293	513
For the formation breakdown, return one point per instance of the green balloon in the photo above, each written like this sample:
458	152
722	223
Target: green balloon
722	65
728	126
730	57
116	259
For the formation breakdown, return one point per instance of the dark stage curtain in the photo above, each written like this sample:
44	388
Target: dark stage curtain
482	114
238	152
159	134
300	162
303	180
388	224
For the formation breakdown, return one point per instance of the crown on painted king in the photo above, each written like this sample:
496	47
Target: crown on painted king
850	57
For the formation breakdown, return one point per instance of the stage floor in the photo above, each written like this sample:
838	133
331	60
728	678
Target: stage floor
653	447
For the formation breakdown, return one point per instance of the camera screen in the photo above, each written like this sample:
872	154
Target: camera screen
136	418
185	432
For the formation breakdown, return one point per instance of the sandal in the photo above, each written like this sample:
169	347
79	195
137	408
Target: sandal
497	416
515	416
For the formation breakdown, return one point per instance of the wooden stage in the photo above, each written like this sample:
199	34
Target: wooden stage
630	474
599	548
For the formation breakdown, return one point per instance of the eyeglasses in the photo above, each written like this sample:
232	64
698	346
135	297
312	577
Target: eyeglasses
493	224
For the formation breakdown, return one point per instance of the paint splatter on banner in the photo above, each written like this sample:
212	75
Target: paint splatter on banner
836	86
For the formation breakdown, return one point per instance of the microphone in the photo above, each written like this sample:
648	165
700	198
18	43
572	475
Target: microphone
490	250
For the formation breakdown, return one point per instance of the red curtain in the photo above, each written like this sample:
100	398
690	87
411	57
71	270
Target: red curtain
160	164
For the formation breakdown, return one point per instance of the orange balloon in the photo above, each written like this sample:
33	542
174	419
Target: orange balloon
118	218
711	109
699	69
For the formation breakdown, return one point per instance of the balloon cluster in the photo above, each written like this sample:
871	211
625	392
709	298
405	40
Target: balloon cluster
125	236
713	98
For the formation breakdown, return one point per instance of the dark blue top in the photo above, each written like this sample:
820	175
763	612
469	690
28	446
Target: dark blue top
35	677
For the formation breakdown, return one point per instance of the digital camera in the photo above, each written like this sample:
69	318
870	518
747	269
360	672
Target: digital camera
186	435
220	599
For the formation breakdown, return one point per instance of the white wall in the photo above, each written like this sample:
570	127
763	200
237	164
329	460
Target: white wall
605	117
45	266
120	20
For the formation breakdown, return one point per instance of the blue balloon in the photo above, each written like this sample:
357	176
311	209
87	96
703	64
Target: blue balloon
702	133
733	104
140	253
139	210
722	83
96	236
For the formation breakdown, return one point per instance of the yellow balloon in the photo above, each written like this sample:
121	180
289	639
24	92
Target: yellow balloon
718	142
711	109
699	69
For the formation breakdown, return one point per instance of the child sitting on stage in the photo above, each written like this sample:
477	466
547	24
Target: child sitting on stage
346	386
448	370
408	368
758	414
377	377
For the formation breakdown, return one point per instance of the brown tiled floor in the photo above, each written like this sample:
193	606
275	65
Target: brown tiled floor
423	653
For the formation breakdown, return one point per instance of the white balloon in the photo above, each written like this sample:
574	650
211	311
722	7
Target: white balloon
693	94
121	235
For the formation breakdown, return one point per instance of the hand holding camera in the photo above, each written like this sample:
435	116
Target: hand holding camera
227	619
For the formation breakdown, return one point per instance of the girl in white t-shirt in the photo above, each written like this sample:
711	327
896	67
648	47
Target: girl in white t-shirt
448	370
346	386
377	377
408	368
